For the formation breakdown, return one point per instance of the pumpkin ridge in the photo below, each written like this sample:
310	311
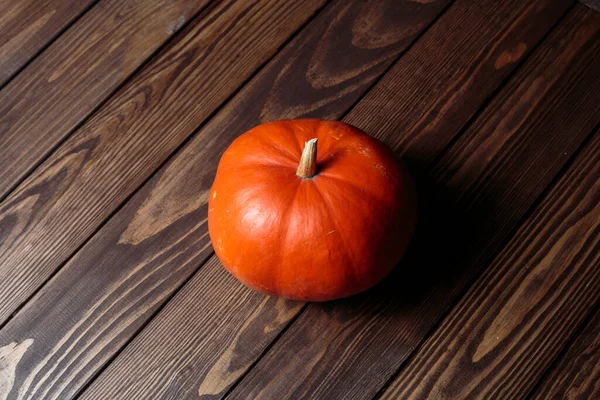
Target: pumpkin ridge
282	150
340	234
283	233
259	164
354	186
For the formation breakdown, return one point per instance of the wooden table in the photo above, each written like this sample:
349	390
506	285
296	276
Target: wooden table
114	114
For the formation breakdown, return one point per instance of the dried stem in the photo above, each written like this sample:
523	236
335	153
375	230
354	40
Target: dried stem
308	162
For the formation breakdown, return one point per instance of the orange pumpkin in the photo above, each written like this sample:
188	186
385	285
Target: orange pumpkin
310	209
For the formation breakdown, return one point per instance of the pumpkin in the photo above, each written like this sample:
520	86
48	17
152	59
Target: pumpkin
310	209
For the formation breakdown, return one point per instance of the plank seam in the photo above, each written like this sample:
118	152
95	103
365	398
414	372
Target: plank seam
265	351
591	4
397	59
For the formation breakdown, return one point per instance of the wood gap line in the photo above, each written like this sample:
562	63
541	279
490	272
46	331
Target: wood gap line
168	299
50	42
591	4
564	350
527	213
211	4
562	353
530	210
170	156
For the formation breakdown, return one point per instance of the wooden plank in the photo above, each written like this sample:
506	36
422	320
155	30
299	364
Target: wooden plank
470	202
184	362
89	310
60	205
521	312
577	373
59	89
27	26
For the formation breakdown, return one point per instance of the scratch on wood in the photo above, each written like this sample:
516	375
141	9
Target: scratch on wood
510	56
176	25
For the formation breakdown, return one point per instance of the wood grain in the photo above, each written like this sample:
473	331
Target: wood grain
577	373
27	26
89	310
471	201
59	89
60	205
593	4
520	313
196	359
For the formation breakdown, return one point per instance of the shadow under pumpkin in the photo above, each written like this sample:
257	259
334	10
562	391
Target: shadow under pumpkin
451	234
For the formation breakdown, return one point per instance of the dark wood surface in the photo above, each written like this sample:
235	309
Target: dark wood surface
109	288
117	149
44	103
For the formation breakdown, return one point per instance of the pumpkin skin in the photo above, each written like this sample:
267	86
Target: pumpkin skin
333	235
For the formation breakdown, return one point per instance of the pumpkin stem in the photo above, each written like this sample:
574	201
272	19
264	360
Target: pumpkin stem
308	161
